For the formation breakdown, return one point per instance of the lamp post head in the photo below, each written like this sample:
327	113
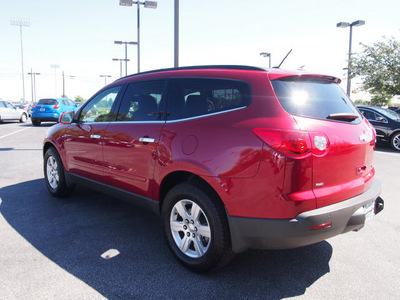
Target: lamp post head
150	4
342	24
265	54
125	2
358	23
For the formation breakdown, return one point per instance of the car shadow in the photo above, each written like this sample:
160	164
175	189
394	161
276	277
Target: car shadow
384	147
75	232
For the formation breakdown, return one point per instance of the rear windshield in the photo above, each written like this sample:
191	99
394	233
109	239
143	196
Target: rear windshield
47	102
315	99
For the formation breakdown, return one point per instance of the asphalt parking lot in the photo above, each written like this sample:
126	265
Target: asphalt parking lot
90	246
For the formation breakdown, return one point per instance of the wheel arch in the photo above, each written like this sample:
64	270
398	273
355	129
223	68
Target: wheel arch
178	177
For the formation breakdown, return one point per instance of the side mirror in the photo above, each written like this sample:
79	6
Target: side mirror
381	119
67	117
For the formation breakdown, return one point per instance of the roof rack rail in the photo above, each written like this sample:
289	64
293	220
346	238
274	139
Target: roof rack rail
228	67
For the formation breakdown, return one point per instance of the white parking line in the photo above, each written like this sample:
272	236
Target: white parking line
14	132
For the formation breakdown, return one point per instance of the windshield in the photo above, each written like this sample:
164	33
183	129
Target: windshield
315	98
47	102
388	113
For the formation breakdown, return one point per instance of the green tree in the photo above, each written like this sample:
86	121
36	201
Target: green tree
379	67
78	99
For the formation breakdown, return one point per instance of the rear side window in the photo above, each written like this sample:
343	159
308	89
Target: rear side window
313	98
191	97
47	102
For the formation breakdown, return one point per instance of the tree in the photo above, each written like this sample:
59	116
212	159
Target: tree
379	67
78	99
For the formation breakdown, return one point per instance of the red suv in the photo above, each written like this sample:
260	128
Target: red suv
231	157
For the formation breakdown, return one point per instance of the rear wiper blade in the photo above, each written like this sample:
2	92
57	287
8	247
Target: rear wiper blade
343	117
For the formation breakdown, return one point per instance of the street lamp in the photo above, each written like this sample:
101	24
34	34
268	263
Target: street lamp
105	78
33	84
344	25
126	53
21	22
120	64
265	54
147	4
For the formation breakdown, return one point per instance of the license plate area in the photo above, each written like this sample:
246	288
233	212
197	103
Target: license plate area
369	210
42	109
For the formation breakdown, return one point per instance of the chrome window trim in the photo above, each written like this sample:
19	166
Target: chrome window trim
206	115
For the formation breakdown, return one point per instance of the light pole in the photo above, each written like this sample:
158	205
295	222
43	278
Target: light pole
120	64
265	54
105	78
147	4
344	25
33	84
55	77
21	22
126	53
176	33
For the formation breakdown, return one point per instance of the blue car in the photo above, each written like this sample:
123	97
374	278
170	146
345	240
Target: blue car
50	109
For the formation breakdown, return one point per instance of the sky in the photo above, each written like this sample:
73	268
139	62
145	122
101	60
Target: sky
78	36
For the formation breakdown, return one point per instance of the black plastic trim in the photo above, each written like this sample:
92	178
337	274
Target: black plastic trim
137	200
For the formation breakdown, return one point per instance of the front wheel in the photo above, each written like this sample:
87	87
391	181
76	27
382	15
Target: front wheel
395	141
196	228
54	174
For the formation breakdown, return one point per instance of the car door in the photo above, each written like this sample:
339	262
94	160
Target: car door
131	143
11	112
84	139
380	123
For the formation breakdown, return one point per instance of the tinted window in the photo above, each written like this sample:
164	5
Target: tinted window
142	101
388	113
190	97
98	109
313	98
47	102
2	104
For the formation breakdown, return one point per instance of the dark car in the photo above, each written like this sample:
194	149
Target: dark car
231	157
386	123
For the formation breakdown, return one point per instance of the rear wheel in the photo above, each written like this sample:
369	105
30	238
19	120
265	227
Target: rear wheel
35	123
196	228
395	141
54	174
23	118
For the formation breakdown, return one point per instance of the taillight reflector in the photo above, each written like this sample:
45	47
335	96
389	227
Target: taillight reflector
294	143
325	225
57	106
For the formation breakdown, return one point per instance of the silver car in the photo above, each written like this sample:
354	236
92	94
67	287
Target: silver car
11	112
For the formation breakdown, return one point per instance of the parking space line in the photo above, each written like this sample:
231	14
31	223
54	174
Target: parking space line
13	132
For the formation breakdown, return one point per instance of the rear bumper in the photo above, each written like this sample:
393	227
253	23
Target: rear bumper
43	117
348	215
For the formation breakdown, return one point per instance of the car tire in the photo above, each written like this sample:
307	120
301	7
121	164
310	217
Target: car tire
200	240
23	118
35	122
54	174
395	141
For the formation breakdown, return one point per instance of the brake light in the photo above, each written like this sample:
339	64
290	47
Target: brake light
294	143
57	106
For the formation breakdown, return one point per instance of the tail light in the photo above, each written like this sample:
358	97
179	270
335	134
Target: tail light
294	143
57	106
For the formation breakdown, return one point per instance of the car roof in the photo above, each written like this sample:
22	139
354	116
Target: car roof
273	73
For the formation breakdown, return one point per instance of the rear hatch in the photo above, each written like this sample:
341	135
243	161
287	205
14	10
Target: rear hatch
46	105
343	169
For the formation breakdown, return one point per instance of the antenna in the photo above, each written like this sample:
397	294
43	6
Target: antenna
284	59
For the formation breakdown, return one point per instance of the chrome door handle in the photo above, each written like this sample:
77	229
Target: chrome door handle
146	140
95	136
